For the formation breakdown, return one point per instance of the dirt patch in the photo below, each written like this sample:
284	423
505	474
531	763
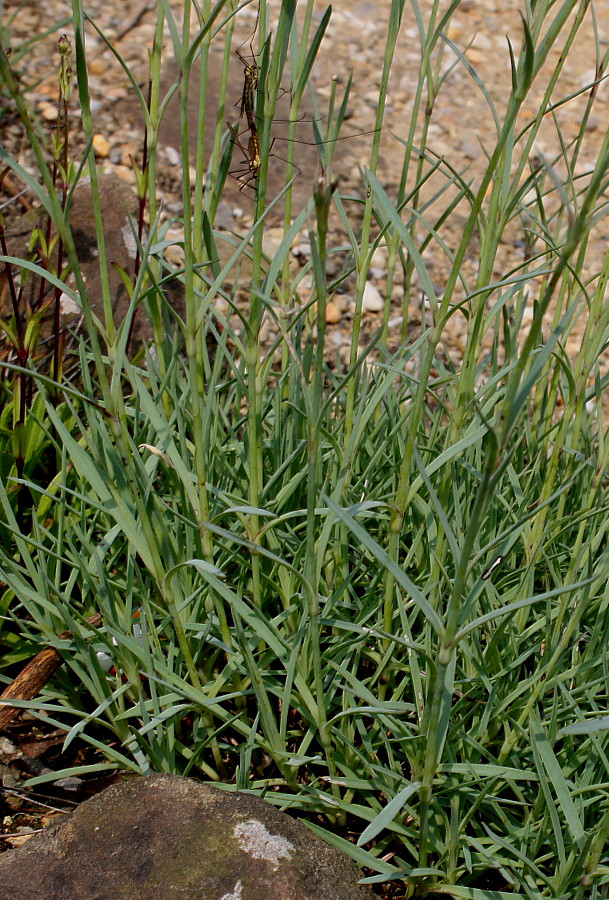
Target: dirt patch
462	130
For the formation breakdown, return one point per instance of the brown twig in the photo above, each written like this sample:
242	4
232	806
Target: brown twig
15	193
33	677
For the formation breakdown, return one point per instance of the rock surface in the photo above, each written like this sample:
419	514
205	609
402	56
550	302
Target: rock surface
172	838
119	210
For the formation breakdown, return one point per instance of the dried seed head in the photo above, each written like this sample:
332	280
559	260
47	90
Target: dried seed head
65	70
64	46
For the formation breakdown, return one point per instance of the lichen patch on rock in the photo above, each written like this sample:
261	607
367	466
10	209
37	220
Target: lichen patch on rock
259	843
237	894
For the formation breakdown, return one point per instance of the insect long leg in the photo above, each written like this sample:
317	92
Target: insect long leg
251	155
251	152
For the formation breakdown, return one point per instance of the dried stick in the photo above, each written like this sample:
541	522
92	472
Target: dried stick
33	677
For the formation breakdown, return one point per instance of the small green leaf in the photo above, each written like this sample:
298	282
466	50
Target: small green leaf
589	726
558	781
388	814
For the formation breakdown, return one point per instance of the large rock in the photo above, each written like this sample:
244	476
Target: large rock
119	206
172	838
120	210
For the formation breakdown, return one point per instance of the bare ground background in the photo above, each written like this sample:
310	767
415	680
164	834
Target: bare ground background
462	130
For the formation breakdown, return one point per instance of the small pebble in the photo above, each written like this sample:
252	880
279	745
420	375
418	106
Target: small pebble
305	284
482	42
48	111
175	252
475	56
333	313
379	258
50	90
97	66
454	31
7	748
172	156
125	173
224	218
373	300
101	146
68	306
271	240
303	250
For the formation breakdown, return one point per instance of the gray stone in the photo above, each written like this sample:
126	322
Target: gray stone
120	210
172	838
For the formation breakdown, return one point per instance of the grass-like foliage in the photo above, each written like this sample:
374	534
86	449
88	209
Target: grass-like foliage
379	594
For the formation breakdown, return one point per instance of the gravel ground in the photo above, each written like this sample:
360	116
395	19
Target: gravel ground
462	128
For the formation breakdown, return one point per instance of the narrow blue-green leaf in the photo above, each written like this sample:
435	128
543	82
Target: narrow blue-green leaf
390	213
486	770
199	564
385	560
254	618
447	455
467	893
93	716
519	604
361	856
44	274
558	780
73	772
514	850
590	726
388	814
248	510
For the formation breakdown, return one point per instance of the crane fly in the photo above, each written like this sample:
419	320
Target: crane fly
251	151
250	86
251	154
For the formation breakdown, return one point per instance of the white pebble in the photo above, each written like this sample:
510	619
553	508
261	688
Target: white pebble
68	306
303	250
373	299
379	257
172	156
